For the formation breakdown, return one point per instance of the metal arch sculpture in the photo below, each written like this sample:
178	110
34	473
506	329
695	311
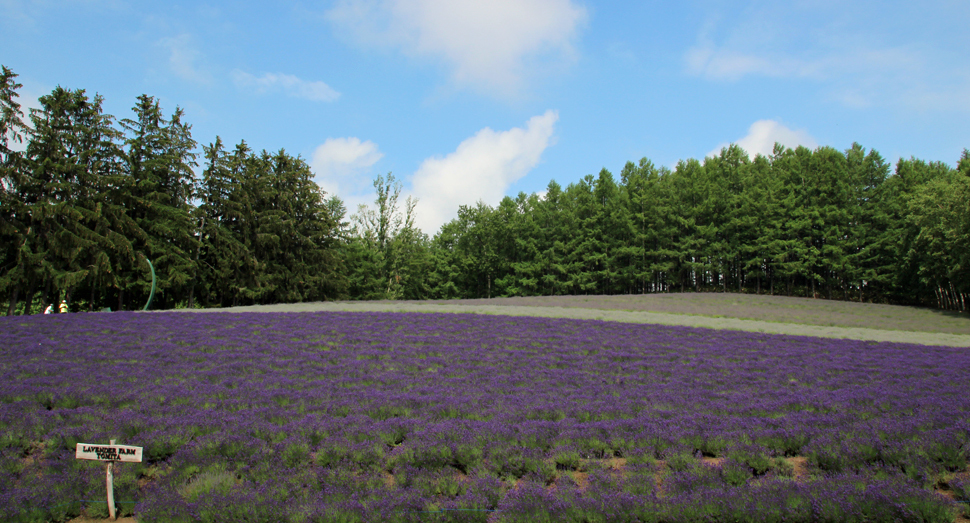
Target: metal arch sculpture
152	294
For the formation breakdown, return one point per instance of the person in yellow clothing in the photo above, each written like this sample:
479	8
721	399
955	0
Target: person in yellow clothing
63	307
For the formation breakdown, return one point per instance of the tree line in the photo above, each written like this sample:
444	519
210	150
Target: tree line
89	203
820	223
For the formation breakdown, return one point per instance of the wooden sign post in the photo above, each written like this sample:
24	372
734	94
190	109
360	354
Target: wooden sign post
109	453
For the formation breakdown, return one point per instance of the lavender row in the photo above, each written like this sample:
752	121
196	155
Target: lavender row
226	401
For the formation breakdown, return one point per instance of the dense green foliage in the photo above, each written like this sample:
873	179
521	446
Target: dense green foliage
822	223
86	203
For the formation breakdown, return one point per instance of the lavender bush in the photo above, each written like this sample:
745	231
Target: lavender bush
437	417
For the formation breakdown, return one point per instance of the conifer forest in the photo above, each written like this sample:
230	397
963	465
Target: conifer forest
88	199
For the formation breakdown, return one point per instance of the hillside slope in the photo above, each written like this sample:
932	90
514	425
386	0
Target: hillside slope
769	314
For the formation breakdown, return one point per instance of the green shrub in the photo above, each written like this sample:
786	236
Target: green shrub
295	454
735	473
782	467
214	480
467	457
569	460
331	454
681	461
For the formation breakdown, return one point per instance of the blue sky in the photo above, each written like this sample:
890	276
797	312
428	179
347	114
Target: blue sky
466	101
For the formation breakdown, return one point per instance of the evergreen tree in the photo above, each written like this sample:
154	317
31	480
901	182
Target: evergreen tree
79	233
726	229
688	190
583	247
159	159
639	184
505	220
837	207
447	280
14	217
526	234
940	210
761	215
615	234
870	261
223	261
297	233
555	225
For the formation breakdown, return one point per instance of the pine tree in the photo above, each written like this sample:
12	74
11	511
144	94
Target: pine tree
505	220
554	225
79	231
870	258
645	269
526	233
448	277
159	159
837	207
761	217
307	265
223	261
583	248
14	218
796	251
689	193
615	234
727	227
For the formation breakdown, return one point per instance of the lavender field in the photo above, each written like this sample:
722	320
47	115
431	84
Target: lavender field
348	417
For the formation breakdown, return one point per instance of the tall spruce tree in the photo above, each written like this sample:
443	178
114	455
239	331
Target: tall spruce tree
79	231
306	266
525	233
870	259
14	218
689	247
223	261
159	159
555	225
583	248
615	234
760	216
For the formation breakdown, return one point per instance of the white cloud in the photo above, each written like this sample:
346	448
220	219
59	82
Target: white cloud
339	164
481	168
16	15
289	84
492	46
762	136
182	59
856	66
715	63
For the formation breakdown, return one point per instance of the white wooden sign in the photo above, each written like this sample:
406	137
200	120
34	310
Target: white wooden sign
108	452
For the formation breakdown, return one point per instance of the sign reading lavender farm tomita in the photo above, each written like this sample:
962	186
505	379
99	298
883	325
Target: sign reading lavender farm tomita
108	452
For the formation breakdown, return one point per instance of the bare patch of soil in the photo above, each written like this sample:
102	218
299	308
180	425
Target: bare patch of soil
799	467
580	478
713	462
389	480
